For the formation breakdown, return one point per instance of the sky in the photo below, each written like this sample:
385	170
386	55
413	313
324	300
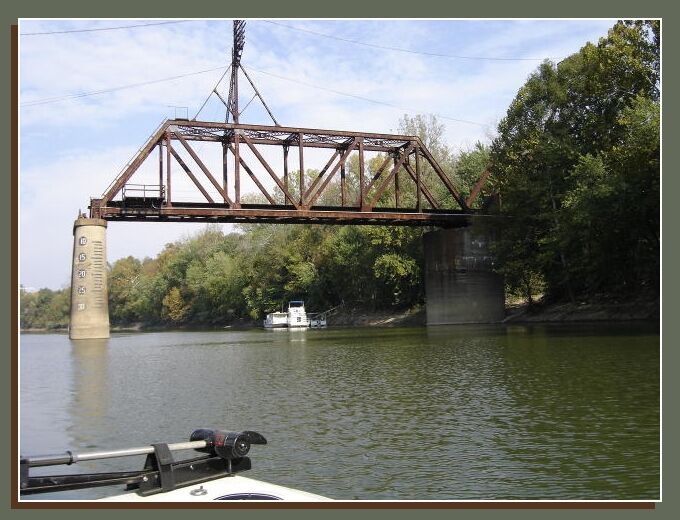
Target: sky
92	91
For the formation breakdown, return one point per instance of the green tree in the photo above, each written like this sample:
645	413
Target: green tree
124	277
44	309
576	163
174	307
470	164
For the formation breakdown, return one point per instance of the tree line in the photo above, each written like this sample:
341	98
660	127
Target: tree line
575	163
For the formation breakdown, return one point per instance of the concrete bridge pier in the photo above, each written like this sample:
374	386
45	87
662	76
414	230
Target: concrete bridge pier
89	290
460	285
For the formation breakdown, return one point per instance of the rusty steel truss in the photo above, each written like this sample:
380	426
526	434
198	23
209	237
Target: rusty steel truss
405	158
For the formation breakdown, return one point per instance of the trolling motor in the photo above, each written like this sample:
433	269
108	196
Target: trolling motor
225	454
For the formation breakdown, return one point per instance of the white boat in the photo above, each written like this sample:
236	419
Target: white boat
208	477
297	317
276	320
225	488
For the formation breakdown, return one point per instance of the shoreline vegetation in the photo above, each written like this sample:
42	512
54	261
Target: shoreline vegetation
516	311
575	170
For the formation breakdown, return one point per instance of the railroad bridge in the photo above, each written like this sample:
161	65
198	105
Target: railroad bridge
403	160
404	187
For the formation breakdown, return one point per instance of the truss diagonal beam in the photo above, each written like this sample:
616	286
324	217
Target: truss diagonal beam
269	169
253	176
426	191
444	178
477	188
134	164
378	173
191	176
319	176
397	165
203	167
342	160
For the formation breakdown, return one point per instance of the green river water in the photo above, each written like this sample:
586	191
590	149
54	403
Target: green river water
559	412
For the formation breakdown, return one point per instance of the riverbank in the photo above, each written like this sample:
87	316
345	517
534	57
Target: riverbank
413	317
646	309
640	309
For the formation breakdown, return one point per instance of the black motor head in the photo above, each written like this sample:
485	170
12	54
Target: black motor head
228	445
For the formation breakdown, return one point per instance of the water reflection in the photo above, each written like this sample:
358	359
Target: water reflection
91	388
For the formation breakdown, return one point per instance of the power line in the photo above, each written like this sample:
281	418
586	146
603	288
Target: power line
362	98
58	99
103	28
114	89
398	49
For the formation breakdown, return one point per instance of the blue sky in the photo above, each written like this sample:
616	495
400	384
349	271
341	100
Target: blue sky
73	142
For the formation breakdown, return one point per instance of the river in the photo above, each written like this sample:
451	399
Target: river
540	412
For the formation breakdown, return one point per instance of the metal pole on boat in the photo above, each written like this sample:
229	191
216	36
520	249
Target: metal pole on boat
71	458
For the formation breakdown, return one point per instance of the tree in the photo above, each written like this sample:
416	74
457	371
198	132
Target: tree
124	277
44	309
470	165
576	163
174	307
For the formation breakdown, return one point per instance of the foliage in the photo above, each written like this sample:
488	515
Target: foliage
576	161
44	309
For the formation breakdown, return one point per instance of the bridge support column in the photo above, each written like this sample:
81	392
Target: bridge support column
460	286
89	291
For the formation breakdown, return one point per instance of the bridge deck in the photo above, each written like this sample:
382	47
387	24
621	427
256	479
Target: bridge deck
279	214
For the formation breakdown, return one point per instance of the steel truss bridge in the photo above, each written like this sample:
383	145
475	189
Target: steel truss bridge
405	159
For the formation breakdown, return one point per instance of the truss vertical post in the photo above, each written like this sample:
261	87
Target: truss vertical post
361	174
418	181
234	75
225	167
343	187
302	168
396	186
236	51
168	150
285	174
160	164
237	170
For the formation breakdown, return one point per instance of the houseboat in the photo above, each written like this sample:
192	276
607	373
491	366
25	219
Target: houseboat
276	320
297	317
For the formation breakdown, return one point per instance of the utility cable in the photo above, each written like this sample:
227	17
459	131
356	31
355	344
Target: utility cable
114	89
95	29
267	73
398	49
362	98
211	92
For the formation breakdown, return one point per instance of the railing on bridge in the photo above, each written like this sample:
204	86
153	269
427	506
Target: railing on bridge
143	195
404	185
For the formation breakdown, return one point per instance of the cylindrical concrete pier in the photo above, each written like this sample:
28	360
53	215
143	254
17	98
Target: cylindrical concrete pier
460	285
89	291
